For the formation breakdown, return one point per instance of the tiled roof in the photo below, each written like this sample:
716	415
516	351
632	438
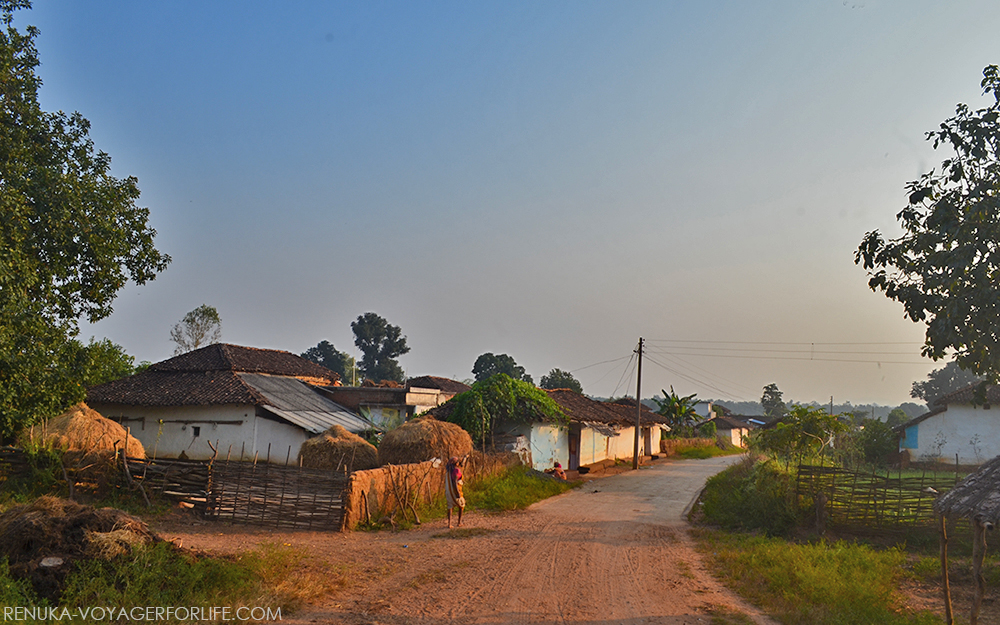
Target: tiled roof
965	395
581	408
226	357
206	376
723	422
176	388
442	384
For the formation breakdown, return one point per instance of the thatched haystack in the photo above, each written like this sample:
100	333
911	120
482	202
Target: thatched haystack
422	439
86	436
41	539
338	448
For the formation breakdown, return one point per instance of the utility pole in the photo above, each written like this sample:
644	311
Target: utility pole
638	408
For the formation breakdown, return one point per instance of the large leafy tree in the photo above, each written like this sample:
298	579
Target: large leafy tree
557	378
489	365
381	343
942	381
71	236
679	410
199	328
773	404
945	267
326	355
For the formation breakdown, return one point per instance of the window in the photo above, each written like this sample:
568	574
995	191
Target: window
197	431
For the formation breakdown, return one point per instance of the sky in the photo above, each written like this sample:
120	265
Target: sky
551	180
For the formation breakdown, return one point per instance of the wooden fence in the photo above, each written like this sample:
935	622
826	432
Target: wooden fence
276	495
856	499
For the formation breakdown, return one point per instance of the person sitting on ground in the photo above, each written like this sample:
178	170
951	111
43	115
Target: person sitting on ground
558	473
453	488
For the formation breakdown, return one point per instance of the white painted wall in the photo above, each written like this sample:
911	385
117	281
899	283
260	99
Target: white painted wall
550	444
733	436
177	432
972	433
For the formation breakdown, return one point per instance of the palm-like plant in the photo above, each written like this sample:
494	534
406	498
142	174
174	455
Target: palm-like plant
679	410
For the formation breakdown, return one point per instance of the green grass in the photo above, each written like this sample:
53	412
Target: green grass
812	584
757	496
516	489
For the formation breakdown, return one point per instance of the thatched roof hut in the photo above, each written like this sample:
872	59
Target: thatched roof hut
421	439
86	436
337	448
977	498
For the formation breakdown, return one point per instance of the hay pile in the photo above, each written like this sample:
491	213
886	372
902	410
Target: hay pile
50	527
86	436
421	439
338	448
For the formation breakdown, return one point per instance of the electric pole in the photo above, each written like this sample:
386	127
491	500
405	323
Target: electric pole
638	408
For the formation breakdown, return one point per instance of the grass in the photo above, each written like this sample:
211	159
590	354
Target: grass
752	496
812	584
271	577
515	489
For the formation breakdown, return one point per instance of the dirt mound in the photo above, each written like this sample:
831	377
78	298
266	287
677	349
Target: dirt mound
337	448
86	436
41	539
421	439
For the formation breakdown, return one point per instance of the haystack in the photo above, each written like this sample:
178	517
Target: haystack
86	436
62	531
338	448
422	439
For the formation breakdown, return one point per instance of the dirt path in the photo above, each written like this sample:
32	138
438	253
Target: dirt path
614	551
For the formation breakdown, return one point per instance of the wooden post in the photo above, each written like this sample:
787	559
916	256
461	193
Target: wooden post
943	530
638	409
978	553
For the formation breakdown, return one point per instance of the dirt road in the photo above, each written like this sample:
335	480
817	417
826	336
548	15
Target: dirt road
614	551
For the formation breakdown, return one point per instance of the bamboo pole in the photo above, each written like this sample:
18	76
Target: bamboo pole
943	531
978	553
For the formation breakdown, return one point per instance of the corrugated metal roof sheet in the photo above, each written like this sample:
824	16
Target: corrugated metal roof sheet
300	404
317	422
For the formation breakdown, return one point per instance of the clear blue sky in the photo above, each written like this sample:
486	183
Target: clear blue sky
547	180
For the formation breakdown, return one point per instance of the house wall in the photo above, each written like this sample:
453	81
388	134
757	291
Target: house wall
235	428
734	436
972	433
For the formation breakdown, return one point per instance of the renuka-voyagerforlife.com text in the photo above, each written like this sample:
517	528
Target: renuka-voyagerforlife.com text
141	613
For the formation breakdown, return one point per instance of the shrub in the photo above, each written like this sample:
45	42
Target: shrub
752	496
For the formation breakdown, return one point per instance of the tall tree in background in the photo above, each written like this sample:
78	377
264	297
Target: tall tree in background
557	378
944	267
71	236
774	406
326	355
942	381
199	328
488	365
381	343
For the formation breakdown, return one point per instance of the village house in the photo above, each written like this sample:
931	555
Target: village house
731	429
258	403
389	405
954	427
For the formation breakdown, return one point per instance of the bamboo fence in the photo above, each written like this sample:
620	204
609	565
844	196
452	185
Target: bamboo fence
863	499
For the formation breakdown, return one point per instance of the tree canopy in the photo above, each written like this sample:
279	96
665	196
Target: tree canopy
679	410
773	404
489	365
944	268
381	343
498	399
942	381
557	378
326	355
199	328
71	236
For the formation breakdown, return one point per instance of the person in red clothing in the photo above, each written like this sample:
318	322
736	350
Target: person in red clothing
453	488
558	472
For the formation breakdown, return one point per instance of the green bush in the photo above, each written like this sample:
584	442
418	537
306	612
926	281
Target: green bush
515	489
752	496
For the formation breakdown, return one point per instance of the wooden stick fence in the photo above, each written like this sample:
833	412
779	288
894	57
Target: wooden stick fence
870	499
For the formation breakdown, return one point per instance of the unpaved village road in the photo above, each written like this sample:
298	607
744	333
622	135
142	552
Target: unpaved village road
615	551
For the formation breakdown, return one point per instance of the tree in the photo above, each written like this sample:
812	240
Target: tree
71	236
489	365
380	343
199	328
557	378
105	361
774	406
326	355
502	399
942	381
805	431
944	268
678	410
897	416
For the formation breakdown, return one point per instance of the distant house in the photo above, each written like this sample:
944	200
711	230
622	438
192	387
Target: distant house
597	431
389	406
731	429
260	403
954	427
